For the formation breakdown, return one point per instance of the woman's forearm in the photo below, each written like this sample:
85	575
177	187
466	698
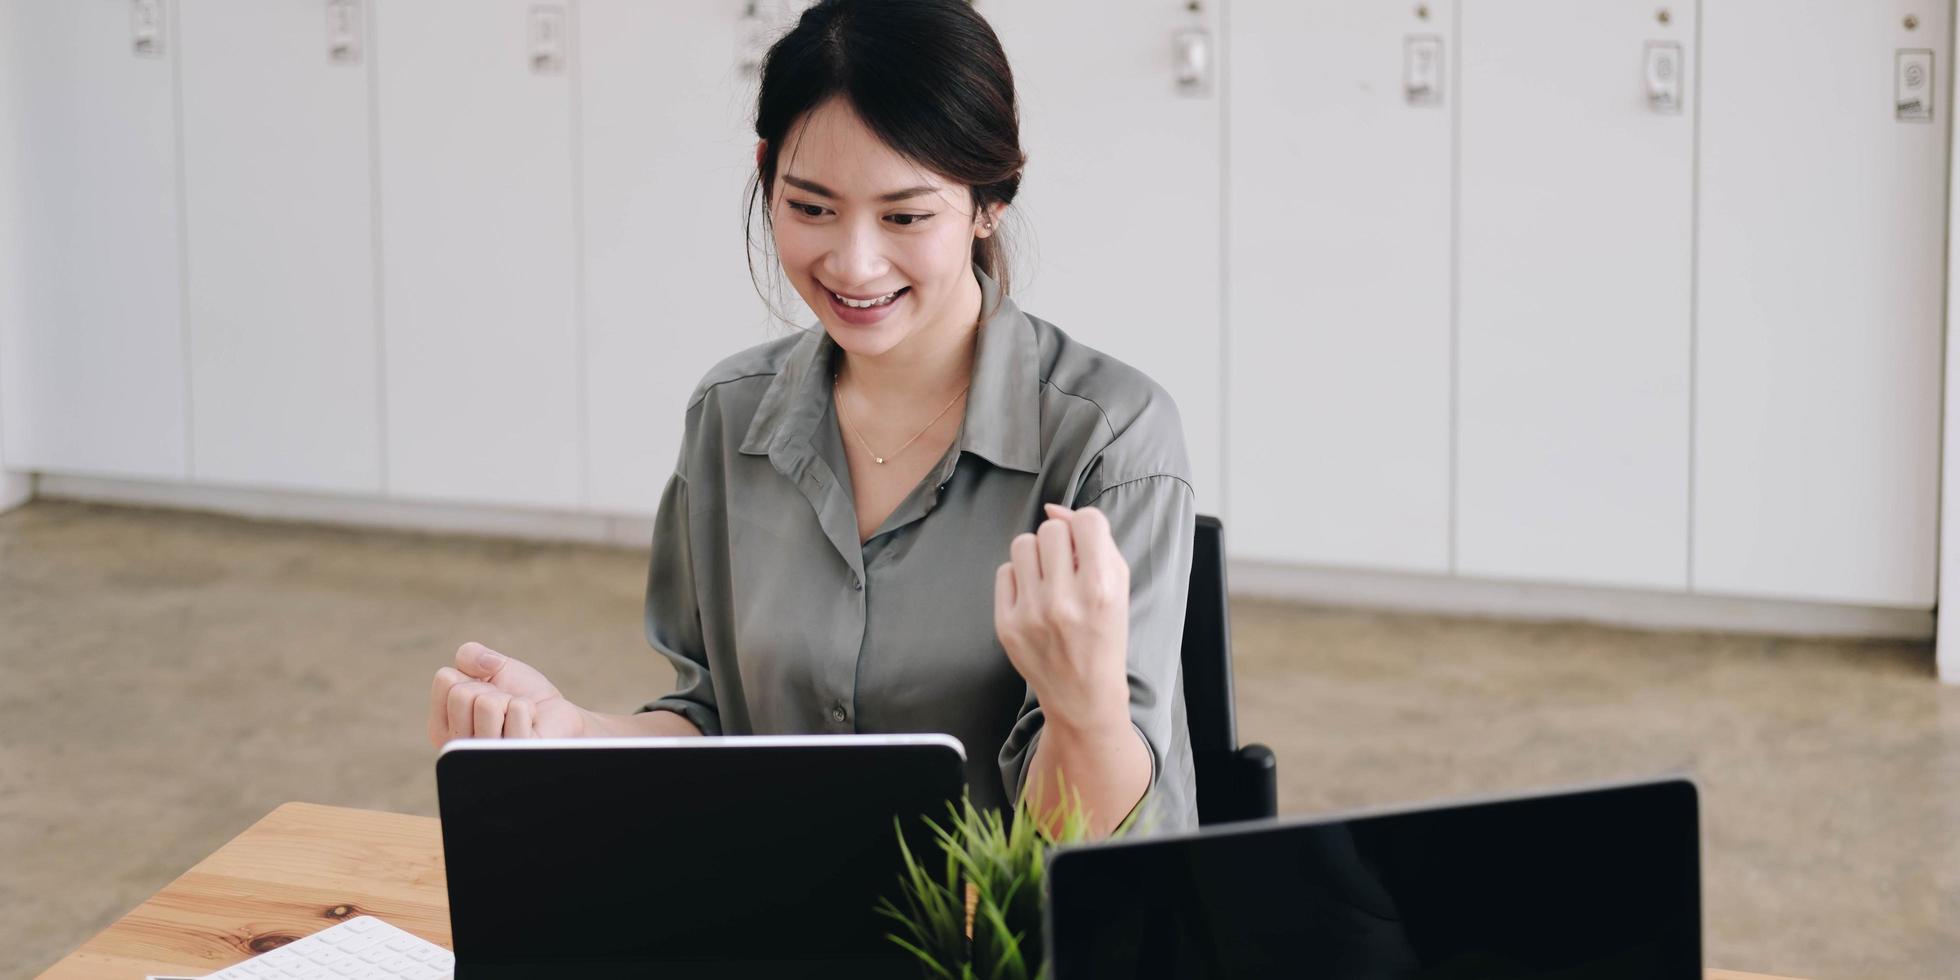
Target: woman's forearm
1107	767
657	722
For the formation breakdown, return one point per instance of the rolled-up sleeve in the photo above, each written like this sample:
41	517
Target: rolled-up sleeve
1153	520
673	613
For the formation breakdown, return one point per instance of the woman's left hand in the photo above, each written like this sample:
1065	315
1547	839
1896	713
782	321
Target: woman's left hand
1062	611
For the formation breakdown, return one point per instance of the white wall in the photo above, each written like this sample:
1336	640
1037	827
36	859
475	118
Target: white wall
1521	332
1949	537
14	488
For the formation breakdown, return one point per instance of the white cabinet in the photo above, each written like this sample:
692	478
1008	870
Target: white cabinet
666	150
1821	263
1118	235
479	245
1577	315
279	225
1338	283
1575	204
94	347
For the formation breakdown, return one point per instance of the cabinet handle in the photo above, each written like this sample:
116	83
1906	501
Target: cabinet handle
1193	48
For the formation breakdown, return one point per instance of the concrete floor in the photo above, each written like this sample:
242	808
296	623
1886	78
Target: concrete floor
165	679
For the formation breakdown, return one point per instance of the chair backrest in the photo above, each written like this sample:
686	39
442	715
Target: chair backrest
1207	662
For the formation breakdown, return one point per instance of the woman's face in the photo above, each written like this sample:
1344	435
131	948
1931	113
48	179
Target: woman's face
856	223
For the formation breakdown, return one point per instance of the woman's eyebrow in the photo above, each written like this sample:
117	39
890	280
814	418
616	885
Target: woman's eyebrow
816	188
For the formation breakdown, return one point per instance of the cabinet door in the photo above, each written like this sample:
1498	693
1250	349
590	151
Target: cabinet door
1820	306
479	251
666	152
1338	283
1118	234
1575	204
280	237
94	350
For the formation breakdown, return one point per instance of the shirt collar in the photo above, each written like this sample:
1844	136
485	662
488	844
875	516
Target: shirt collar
1003	409
796	398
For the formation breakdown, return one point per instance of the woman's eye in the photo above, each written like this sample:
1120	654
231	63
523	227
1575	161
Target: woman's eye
807	210
904	220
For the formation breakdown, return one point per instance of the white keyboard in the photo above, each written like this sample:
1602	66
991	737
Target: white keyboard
360	948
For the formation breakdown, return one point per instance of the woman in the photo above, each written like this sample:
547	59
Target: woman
935	513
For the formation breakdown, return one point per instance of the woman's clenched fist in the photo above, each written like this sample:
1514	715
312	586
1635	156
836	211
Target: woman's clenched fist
1062	611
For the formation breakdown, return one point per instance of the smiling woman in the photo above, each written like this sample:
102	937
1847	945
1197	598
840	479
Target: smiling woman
932	88
839	549
880	261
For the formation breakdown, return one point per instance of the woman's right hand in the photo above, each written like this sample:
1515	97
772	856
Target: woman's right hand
489	695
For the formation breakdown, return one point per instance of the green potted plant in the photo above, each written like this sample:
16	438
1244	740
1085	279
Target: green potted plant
976	912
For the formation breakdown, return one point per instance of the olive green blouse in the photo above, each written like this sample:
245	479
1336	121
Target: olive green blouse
777	620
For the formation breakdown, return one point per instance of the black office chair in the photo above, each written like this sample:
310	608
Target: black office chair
1234	782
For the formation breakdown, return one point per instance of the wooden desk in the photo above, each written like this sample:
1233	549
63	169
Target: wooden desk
297	871
300	869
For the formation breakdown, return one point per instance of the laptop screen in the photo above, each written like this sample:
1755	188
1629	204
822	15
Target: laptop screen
724	857
1594	884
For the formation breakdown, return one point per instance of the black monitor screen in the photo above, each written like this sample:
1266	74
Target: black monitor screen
1595	884
750	862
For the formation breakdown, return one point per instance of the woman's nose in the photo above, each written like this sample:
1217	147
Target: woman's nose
858	257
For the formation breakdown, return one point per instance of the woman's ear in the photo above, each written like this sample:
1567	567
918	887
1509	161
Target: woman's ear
761	147
988	219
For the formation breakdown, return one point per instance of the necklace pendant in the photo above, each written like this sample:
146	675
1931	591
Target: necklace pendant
879	458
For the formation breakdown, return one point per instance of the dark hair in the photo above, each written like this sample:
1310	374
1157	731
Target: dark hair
927	76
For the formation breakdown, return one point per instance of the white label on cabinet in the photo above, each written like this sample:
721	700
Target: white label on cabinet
146	27
547	40
1913	85
1422	69
344	32
1663	71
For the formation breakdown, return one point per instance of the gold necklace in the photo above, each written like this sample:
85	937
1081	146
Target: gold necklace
875	457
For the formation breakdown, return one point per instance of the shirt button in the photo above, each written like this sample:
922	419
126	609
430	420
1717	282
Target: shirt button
857	583
837	713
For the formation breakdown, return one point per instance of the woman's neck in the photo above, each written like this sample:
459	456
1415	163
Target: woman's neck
926	366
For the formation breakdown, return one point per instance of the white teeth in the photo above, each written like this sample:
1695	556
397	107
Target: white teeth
865	304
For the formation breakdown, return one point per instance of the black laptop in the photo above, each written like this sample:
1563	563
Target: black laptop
686	857
1594	884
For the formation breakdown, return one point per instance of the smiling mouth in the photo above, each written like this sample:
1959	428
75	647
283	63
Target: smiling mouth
873	302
